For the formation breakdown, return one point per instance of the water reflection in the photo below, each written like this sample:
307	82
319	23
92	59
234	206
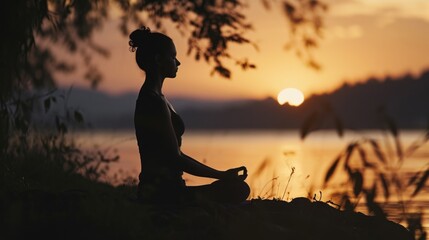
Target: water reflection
282	152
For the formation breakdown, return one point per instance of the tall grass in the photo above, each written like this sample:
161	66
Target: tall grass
374	172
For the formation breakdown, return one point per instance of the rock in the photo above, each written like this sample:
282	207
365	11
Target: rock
319	220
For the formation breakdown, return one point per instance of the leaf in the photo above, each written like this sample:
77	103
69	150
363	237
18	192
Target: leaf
417	144
413	179
357	183
421	183
309	124
349	152
385	185
288	8
262	167
363	157
57	123
375	208
314	65
391	125
309	43
413	147
399	148
348	170
332	168
377	151
370	195
222	71
78	116
47	104
339	126
372	206
396	181
348	206
266	4
63	128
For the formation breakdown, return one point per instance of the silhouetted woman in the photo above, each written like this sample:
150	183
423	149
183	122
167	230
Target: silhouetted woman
159	129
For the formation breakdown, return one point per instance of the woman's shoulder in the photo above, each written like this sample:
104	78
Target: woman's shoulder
149	95
150	100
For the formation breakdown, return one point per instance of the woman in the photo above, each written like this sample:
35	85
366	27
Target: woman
159	130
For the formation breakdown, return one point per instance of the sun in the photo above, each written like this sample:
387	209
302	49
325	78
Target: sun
292	96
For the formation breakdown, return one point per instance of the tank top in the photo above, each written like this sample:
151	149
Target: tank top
159	169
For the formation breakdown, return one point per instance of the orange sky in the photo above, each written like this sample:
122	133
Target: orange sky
362	38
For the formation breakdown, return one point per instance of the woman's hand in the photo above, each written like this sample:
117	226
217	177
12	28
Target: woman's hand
234	174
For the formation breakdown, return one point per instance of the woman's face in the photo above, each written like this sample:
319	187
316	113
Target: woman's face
167	62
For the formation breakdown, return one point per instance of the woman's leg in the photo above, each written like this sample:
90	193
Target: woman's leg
221	191
159	194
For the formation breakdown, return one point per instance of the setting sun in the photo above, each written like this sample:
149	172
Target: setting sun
292	96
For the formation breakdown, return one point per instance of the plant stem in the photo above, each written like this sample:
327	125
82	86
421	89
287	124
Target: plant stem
288	181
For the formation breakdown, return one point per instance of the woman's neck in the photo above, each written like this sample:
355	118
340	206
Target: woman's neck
154	82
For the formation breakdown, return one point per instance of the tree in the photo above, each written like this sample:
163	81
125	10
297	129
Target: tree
30	29
210	26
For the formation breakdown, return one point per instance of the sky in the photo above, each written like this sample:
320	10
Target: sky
362	38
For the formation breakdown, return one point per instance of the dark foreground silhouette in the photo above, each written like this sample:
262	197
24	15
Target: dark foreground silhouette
107	214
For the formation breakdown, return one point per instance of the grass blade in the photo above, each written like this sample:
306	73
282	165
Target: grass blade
309	124
421	183
357	179
338	125
262	167
47	104
349	152
332	168
385	185
363	157
399	151
377	151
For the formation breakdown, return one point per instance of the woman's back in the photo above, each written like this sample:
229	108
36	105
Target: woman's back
152	117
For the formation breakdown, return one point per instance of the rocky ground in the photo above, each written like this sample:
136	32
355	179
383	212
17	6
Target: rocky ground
106	214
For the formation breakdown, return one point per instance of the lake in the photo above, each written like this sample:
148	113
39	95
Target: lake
271	156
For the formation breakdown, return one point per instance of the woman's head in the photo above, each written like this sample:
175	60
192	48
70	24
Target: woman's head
154	52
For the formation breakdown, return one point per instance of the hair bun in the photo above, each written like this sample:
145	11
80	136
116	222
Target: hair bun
138	38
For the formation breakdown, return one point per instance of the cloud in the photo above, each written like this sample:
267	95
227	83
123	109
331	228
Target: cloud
390	8
344	32
339	2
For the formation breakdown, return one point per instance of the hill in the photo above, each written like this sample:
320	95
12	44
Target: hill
358	106
405	100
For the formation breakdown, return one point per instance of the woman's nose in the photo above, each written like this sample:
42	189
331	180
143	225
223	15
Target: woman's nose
177	62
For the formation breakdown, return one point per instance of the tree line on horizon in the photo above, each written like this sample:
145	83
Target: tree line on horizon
358	106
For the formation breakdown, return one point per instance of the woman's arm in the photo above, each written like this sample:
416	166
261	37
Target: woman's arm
196	168
157	128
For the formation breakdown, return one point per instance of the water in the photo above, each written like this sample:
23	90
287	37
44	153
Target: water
281	152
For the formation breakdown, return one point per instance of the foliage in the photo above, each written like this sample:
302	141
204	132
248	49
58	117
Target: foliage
41	27
375	172
306	24
38	153
321	118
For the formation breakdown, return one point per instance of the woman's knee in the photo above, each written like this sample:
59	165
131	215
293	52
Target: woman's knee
232	191
243	189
